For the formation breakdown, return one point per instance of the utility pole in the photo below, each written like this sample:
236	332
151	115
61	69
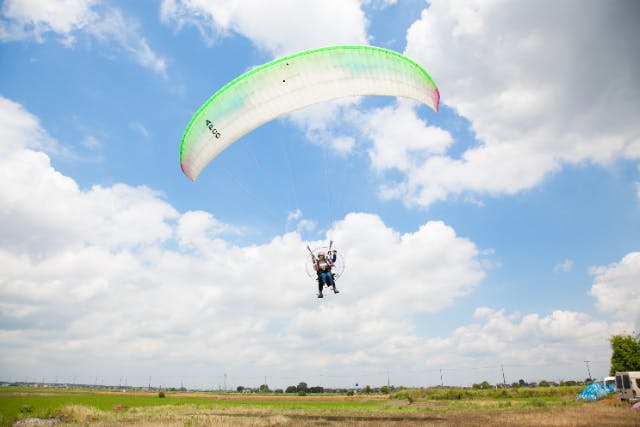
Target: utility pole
441	380
504	381
225	381
588	369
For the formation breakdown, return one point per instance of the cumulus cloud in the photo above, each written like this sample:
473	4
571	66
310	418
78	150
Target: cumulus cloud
528	82
89	271
34	19
616	291
401	140
118	266
527	344
539	86
277	27
199	228
20	129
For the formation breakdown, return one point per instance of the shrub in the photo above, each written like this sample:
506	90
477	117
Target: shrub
161	395
538	403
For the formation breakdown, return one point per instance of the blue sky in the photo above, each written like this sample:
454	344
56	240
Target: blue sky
502	230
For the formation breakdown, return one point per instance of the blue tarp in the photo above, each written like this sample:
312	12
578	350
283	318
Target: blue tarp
595	391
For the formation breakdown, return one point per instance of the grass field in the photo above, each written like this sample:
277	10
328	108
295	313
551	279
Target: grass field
451	407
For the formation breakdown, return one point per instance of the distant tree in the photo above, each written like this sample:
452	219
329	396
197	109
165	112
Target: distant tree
367	389
278	391
484	385
291	389
515	385
264	388
522	382
543	383
240	389
384	389
316	389
302	387
626	353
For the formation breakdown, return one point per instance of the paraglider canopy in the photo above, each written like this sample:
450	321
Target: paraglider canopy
296	81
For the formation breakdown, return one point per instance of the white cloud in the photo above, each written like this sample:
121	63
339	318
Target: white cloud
26	19
297	221
564	266
539	86
34	18
87	271
409	268
343	145
616	289
401	140
19	129
199	229
118	266
278	27
114	27
528	344
53	211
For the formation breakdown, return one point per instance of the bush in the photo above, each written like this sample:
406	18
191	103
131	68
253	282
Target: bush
161	395
349	393
538	403
26	409
302	393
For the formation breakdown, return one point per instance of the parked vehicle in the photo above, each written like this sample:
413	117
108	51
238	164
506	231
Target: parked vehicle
628	385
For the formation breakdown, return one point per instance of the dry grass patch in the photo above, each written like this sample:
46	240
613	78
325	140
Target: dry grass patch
592	414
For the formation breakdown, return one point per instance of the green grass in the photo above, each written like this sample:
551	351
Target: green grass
18	403
46	403
449	394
